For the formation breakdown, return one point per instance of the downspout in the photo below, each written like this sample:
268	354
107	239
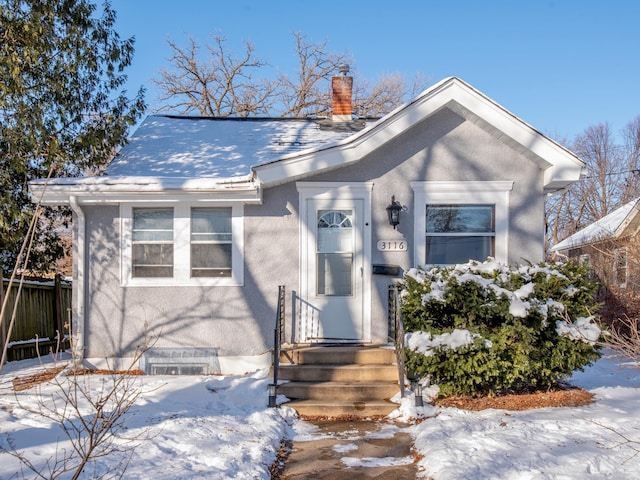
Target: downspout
79	257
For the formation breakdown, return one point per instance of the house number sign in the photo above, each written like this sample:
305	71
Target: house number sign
392	245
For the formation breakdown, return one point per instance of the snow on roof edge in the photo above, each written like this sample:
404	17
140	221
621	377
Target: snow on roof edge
609	226
122	180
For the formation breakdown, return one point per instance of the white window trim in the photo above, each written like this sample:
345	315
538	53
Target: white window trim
181	247
617	254
462	193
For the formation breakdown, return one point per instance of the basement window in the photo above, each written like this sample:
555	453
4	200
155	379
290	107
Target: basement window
180	361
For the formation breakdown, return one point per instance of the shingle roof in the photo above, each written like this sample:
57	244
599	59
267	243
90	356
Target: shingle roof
222	148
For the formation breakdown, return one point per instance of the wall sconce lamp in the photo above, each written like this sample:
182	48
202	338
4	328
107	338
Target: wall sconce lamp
393	211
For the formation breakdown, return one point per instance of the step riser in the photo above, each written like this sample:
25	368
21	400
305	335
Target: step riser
310	373
357	410
344	392
324	356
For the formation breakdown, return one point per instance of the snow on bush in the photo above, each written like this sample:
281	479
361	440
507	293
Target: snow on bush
424	343
583	329
485	327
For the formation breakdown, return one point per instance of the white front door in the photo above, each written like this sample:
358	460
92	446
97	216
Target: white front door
333	307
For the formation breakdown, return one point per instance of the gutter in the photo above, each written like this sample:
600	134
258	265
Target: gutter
103	190
79	256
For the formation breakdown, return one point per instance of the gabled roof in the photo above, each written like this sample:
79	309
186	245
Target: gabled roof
561	166
610	227
236	158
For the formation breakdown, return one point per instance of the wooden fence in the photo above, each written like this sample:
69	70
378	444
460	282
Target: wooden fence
43	310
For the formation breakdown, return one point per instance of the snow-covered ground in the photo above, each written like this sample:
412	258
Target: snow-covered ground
599	441
220	428
186	427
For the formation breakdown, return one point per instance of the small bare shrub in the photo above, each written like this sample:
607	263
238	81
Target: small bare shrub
91	412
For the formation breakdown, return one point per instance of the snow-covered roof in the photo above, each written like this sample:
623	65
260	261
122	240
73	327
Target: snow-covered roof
175	155
610	226
221	148
229	155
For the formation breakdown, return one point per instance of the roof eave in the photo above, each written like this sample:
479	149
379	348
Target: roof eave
142	190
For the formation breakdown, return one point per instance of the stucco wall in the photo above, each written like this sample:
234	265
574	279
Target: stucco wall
222	317
444	148
240	320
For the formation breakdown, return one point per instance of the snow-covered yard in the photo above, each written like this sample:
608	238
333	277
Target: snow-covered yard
601	440
220	428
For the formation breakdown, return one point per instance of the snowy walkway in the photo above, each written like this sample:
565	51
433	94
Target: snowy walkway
340	450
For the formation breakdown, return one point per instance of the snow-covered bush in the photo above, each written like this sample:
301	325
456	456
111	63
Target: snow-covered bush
487	327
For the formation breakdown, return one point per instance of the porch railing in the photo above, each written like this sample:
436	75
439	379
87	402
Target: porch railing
278	340
396	332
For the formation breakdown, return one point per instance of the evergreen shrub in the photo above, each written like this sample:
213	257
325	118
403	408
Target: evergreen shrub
485	328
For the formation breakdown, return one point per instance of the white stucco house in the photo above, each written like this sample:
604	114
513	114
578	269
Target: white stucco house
197	221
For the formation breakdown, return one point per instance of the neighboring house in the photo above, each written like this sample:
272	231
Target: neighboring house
197	221
610	247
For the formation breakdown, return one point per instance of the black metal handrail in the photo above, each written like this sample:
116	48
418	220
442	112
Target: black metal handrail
397	334
278	340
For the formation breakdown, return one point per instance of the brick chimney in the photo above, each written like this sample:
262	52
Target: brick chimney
342	86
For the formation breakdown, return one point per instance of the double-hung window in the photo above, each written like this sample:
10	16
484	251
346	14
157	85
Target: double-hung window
182	244
455	222
211	242
458	233
152	242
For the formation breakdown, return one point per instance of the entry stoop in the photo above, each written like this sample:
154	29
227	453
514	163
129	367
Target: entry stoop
339	381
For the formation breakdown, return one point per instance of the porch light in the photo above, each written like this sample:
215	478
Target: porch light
417	391
393	211
272	395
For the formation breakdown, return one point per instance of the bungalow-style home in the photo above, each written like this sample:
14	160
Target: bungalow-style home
610	248
197	221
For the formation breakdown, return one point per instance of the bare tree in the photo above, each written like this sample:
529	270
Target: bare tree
386	93
631	139
624	339
216	83
308	93
221	85
602	190
611	180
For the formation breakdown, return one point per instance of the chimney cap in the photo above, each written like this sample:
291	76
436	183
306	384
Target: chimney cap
343	68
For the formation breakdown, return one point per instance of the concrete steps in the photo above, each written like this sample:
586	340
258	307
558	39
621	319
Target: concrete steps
351	391
339	373
339	381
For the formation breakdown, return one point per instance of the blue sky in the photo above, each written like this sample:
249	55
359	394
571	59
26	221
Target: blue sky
560	65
